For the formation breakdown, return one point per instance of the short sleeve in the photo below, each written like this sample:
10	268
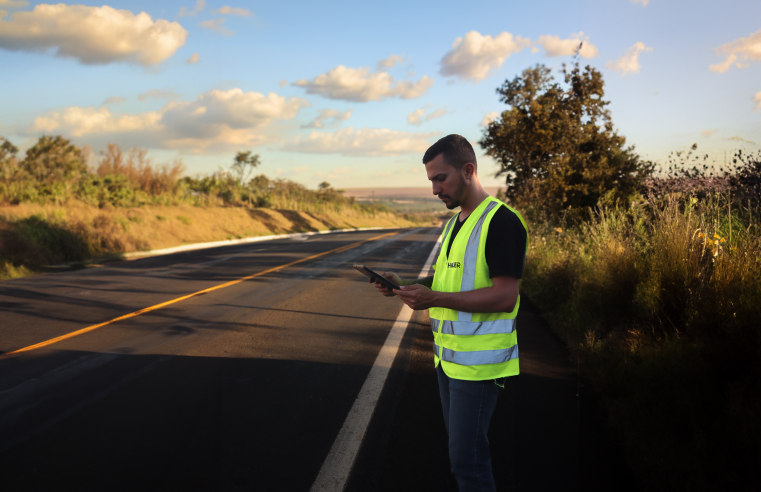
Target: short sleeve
506	245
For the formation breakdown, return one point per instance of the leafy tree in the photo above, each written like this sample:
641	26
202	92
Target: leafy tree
556	143
9	166
8	151
323	186
260	182
243	166
54	159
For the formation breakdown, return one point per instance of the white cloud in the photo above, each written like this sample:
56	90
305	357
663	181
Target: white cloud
707	133
489	117
416	117
159	94
475	57
216	121
389	62
200	4
93	35
757	100
218	26
437	114
644	3
628	63
329	118
233	108
114	100
193	59
226	10
741	139
739	52
361	142
13	4
554	46
282	83
76	121
360	85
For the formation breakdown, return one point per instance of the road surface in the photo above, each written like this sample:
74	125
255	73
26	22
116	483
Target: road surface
248	386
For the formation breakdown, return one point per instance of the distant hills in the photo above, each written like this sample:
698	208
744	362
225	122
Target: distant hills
411	193
406	200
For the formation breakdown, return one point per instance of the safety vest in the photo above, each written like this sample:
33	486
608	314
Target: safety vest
472	346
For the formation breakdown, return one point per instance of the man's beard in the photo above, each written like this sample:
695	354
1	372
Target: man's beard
457	196
453	204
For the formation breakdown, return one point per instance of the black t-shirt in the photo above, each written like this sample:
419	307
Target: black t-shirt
505	243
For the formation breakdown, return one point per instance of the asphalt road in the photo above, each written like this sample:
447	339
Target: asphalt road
247	387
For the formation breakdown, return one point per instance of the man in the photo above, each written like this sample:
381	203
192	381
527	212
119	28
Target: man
473	300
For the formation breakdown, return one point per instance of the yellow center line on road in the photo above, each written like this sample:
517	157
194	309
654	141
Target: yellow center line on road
173	301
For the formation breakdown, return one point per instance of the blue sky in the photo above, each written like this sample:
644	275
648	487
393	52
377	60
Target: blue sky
676	72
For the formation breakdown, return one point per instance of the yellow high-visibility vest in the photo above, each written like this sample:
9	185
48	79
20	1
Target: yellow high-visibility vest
472	346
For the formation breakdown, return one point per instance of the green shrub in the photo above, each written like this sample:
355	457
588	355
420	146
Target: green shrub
8	271
37	241
661	302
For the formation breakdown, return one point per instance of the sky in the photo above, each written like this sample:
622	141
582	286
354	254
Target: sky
353	93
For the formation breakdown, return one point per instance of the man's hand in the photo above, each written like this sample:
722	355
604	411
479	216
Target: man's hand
417	296
385	290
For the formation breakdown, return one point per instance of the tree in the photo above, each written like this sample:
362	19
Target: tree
10	170
8	151
54	159
243	166
556	143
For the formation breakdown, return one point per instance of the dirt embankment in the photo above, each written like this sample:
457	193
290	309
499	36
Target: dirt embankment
32	236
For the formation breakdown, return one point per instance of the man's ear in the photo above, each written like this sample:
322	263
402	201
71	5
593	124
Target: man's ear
468	170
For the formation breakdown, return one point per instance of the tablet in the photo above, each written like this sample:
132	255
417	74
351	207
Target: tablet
376	277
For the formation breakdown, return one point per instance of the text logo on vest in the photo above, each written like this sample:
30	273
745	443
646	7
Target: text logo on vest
455	264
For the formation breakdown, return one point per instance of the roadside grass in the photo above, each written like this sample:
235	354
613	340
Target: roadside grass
661	303
9	270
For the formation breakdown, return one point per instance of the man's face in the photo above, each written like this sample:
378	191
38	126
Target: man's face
446	181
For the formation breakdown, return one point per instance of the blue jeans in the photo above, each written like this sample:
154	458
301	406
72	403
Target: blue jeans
468	407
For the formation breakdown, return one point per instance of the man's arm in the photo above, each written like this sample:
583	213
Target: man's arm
499	298
427	281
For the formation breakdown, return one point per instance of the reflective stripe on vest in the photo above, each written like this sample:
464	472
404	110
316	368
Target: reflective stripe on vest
471	257
441	245
479	357
473	327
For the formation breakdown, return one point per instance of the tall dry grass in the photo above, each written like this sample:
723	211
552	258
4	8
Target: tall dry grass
662	302
139	170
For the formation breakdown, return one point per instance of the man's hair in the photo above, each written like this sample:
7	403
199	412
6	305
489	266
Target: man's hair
456	149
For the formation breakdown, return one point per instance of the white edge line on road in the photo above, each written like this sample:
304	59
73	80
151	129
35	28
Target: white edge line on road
225	242
337	466
230	242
